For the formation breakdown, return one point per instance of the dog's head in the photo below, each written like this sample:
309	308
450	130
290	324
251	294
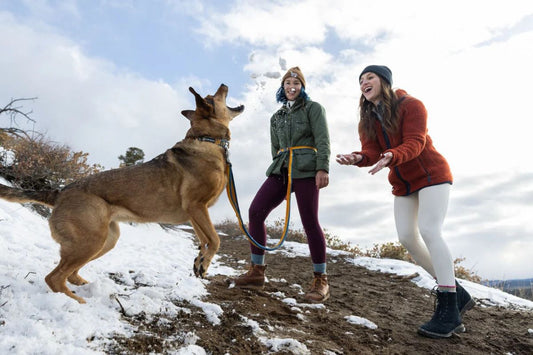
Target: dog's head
212	115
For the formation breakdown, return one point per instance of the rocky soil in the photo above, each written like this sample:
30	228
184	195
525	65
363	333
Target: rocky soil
261	322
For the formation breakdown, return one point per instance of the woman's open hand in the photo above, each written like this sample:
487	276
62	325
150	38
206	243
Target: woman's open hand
383	162
348	159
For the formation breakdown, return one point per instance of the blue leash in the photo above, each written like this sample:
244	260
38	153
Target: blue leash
232	195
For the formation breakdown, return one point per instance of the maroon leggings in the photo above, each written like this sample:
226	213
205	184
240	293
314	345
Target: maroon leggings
270	195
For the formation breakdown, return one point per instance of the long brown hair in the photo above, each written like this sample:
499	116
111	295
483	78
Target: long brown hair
368	116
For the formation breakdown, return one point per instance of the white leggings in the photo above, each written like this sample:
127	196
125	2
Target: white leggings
424	212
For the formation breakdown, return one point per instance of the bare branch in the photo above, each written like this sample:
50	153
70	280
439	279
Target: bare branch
29	273
13	111
16	132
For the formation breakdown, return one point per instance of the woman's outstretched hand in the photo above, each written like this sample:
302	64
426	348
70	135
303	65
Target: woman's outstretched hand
348	159
383	162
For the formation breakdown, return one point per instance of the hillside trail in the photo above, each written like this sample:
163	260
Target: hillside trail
261	322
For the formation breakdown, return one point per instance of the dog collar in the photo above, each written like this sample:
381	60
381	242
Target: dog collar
224	143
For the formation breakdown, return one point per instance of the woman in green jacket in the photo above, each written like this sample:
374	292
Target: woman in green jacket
298	128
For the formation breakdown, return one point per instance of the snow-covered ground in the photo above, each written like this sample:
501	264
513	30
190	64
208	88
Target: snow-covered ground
148	269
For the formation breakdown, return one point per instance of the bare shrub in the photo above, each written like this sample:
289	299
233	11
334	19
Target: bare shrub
463	273
276	231
230	228
35	163
389	250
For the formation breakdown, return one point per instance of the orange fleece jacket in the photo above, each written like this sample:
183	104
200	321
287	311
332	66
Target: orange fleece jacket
416	163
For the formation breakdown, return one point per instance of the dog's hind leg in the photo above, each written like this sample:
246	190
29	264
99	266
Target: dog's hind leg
71	261
206	233
112	237
81	233
76	279
57	280
113	232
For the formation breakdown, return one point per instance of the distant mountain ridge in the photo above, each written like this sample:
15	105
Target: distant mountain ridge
518	287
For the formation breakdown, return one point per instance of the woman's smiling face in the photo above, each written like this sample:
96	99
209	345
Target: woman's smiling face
370	85
292	87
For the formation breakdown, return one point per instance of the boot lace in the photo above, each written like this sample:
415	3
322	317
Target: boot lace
443	311
317	283
433	293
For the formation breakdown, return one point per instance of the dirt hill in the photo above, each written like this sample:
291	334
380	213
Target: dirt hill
256	322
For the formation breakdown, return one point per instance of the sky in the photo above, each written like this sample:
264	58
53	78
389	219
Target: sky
112	74
35	320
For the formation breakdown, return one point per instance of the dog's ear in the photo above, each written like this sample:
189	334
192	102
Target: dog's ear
189	114
235	111
201	104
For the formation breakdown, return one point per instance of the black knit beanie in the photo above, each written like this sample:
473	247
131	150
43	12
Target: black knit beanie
380	70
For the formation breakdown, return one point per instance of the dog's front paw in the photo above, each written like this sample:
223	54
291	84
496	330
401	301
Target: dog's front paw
198	267
202	272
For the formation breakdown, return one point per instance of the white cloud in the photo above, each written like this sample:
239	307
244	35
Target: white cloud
433	51
88	103
266	23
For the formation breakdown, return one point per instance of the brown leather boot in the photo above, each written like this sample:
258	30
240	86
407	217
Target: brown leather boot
319	291
254	278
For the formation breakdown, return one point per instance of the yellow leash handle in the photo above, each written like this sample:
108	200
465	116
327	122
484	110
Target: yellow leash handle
232	196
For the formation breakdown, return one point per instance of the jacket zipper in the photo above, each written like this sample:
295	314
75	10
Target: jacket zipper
428	175
396	170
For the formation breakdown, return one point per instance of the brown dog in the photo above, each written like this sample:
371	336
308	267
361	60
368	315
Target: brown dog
175	187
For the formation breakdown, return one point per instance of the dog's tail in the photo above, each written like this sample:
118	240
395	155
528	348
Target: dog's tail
13	194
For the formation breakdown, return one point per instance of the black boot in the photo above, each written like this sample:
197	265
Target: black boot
446	319
465	302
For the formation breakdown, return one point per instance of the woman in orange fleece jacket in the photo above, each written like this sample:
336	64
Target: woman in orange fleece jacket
393	134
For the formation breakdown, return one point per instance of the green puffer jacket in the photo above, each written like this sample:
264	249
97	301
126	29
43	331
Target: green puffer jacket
304	124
